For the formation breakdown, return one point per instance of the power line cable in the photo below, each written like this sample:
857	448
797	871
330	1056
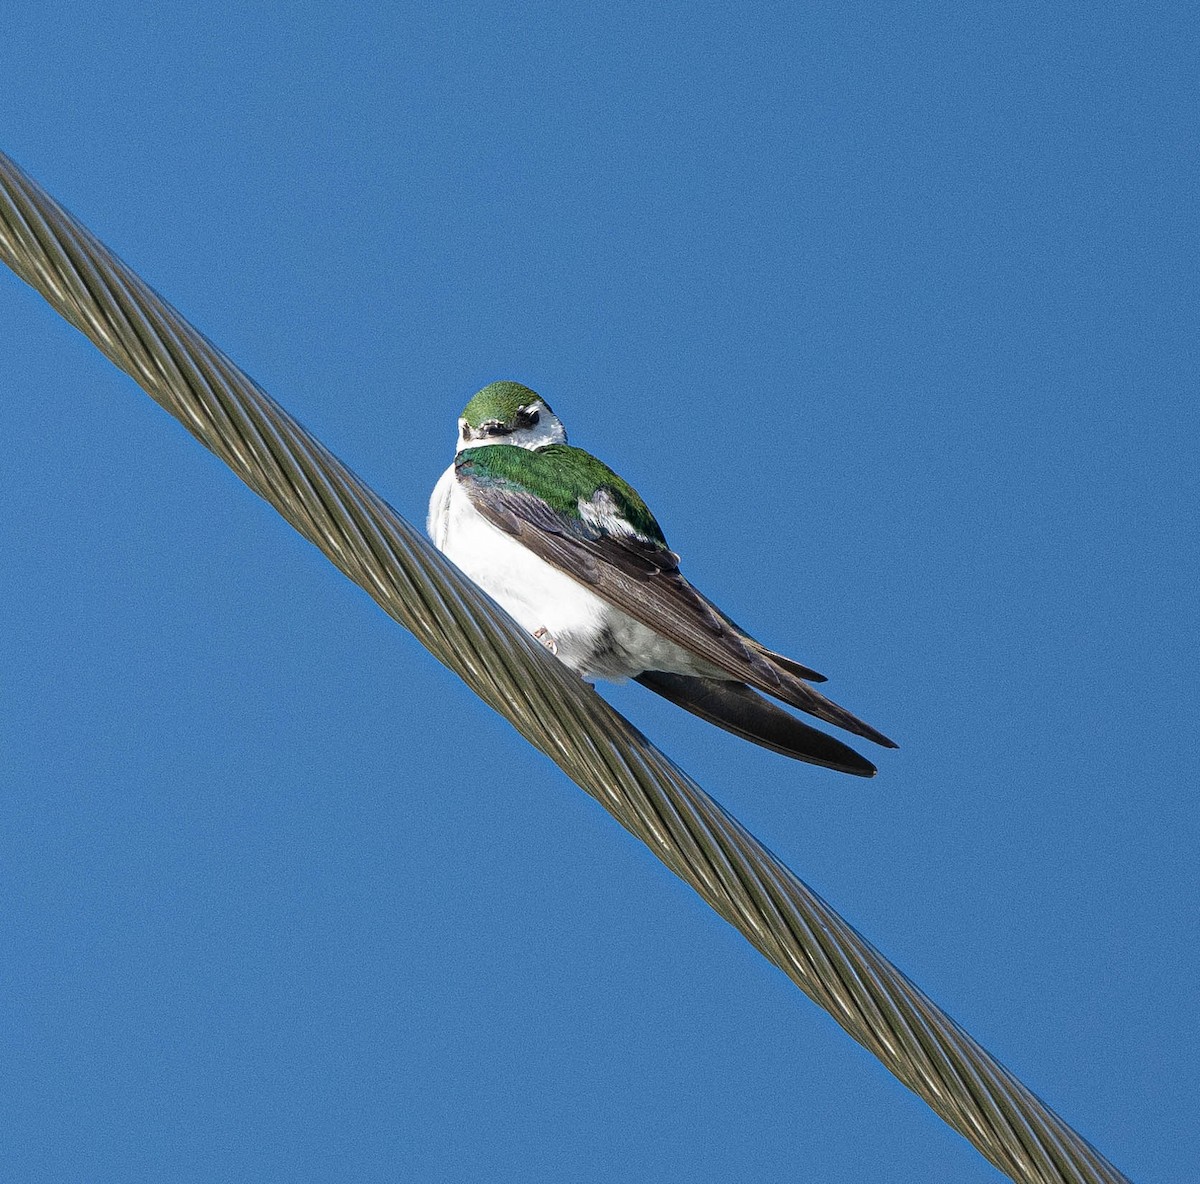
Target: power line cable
594	745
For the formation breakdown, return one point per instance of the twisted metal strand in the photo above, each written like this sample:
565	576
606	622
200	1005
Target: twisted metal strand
595	746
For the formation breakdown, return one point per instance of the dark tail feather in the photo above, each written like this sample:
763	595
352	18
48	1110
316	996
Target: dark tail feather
736	708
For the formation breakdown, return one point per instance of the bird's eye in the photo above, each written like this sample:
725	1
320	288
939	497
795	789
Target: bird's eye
527	417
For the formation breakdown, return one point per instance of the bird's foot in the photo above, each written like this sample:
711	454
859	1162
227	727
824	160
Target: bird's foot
543	635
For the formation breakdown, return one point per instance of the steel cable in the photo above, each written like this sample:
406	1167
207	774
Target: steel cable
563	717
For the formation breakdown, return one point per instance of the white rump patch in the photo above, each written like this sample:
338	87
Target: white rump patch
601	511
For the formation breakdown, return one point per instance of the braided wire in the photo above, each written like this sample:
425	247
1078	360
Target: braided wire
562	716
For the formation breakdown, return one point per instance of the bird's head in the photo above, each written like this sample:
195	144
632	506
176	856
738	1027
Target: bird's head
509	413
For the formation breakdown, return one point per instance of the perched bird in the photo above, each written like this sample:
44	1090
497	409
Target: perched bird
573	554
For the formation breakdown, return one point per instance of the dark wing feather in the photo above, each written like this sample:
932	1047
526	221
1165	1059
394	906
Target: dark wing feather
642	578
736	708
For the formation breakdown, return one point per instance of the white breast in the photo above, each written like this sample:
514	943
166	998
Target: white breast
539	596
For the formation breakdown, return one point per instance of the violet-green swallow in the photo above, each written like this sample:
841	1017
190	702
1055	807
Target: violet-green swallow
573	554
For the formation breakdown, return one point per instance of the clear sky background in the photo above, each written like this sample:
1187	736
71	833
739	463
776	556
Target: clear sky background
887	311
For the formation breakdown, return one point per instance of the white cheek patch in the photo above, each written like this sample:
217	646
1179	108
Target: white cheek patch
547	430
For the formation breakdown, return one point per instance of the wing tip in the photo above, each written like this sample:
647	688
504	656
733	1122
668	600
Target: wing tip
798	669
784	683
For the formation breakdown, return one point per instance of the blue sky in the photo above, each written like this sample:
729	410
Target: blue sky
888	313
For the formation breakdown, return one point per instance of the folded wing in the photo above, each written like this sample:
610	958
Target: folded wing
605	538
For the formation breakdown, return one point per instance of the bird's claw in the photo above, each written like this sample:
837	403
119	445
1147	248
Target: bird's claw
544	637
